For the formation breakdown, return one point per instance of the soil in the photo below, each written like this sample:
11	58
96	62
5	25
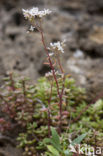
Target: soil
79	22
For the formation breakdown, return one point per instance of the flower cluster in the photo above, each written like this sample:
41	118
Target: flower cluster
57	46
50	74
35	13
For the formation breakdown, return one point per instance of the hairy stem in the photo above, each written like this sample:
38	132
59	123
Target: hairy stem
54	75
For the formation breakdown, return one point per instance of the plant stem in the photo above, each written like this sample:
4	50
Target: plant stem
24	90
12	81
61	68
63	85
49	119
54	75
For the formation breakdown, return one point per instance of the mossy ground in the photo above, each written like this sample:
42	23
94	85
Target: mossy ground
29	103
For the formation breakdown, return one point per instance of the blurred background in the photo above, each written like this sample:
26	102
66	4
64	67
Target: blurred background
80	22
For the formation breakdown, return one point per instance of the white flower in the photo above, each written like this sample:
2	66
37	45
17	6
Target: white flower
32	28
58	46
51	54
34	12
50	74
57	73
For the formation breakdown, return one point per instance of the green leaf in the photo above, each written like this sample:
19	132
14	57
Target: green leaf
34	124
46	140
79	139
48	154
55	136
98	105
55	139
53	150
67	153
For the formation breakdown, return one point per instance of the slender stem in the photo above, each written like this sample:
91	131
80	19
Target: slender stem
54	75
61	99
49	119
49	123
12	81
49	59
63	86
95	141
50	62
61	68
24	90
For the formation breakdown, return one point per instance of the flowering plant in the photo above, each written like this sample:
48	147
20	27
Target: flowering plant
53	58
54	101
35	13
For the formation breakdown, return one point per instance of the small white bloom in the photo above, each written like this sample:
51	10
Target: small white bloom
57	73
49	74
58	46
48	48
34	12
32	28
51	54
72	148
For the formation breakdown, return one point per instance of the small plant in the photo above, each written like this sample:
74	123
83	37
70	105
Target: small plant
25	107
28	113
60	145
54	101
16	100
53	59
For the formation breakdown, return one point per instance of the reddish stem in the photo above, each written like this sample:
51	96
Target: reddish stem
61	68
12	81
24	90
63	86
54	75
